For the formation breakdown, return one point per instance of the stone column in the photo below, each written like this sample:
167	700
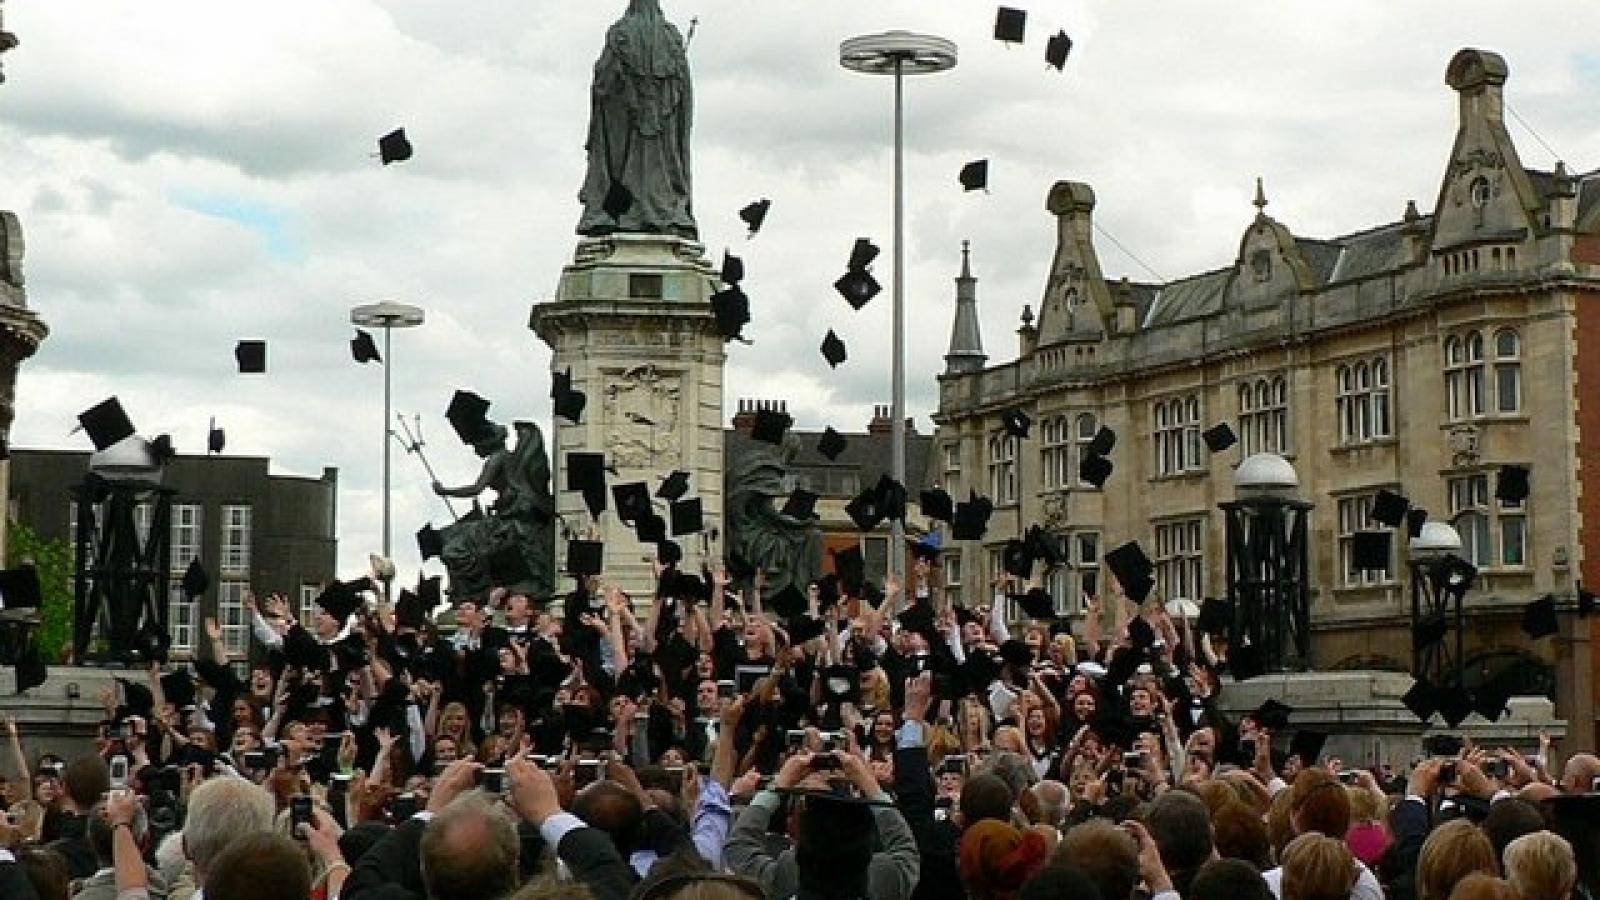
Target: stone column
632	320
21	331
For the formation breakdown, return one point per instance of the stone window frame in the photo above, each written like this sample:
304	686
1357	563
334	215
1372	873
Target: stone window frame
1507	350
1365	397
1085	426
950	570
1353	511
1003	481
1180	555
1465	377
1264	415
1492	531
1055	440
1175	434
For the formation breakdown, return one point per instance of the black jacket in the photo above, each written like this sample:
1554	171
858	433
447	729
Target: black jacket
938	842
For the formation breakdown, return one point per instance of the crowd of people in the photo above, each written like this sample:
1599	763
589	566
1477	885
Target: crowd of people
843	742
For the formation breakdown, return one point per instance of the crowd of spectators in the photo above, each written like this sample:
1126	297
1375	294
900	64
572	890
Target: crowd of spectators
842	742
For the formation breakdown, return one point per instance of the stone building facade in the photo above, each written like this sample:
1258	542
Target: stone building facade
1419	355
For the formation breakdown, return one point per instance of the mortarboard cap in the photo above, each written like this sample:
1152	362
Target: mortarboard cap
863	510
851	567
1455	704
585	557
833	350
340	599
1415	519
1016	653
1273	714
430	543
567	403
1219	437
251	357
1216	616
409	611
1246	662
1017	560
393	147
755	214
1512	484
618	200
688	517
216	439
632	500
195	579
1095	470
178	687
669	553
1421	699
468	414
937	505
1132	569
890	499
1037	603
919	617
789	602
1140	633
586	473
831	444
1539	617
1307	744
651	529
1428	631
674	486
1389	508
1586	602
1369	550
806	628
732	268
106	423
971	519
1016	422
1010	25
802	504
363	349
1057	49
975	175
20	588
161	449
136	699
731	308
1103	442
862	253
771	425
858	288
1489	701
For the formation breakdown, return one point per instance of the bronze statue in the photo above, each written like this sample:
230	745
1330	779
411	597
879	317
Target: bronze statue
787	549
518	533
639	118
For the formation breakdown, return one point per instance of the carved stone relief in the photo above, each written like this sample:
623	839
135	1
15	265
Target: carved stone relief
642	411
1464	445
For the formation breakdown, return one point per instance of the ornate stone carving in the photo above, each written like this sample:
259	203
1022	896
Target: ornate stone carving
641	416
1464	445
1055	516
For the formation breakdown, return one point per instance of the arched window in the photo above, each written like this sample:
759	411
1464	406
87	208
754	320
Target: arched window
1464	376
1088	426
1264	415
1177	435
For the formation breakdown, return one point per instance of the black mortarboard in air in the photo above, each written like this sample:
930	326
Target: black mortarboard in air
195	579
1415	519
618	200
1015	653
731	308
1455	704
805	628
863	510
971	519
789	602
468	414
1095	470
393	147
1369	550
585	557
1017	560
136	699
802	504
1489	701
1045	546
1010	25
178	687
755	214
1389	508
1017	423
1586	602
1037	603
771	425
858	288
430	543
632	500
1429	630
1273	714
1422	699
688	517
363	349
831	444
106	423
674	486
1132	569
1057	49
409	611
567	403
161	449
1219	437
251	357
851	567
651	529
1539	617
1246	662
833	350
1141	634
975	175
342	598
1512	484
919	617
862	253
216	438
937	505
1216	616
669	553
732	268
20	589
890	499
1307	744
1103	442
586	473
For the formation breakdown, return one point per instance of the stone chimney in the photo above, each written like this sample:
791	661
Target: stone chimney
745	418
881	422
1027	335
1479	76
1127	310
1415	233
1563	198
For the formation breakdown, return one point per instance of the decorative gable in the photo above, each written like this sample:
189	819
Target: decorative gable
1076	301
1270	268
1486	195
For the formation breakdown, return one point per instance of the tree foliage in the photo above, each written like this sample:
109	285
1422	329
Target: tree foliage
53	558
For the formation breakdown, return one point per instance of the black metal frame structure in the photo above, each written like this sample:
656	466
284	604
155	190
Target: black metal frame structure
120	583
1269	578
1438	587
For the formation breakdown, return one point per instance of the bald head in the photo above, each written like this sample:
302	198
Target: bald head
470	850
1578	775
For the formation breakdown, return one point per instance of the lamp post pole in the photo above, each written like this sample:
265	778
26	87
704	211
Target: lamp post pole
388	316
898	53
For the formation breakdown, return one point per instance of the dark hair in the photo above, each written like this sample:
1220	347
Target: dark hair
47	871
86	780
260	866
1510	819
1060	882
613	809
1228	879
834	849
1181	827
986	796
1240	834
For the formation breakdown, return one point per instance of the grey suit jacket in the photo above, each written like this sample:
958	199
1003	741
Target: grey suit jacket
891	876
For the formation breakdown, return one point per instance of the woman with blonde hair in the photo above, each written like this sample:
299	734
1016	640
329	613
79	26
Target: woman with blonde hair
1453	851
1541	866
1479	886
1317	867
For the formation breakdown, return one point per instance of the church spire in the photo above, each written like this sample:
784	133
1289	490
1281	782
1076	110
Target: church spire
966	339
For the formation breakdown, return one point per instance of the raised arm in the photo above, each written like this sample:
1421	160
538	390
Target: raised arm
14	738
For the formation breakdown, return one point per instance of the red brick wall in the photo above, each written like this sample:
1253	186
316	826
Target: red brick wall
1587	388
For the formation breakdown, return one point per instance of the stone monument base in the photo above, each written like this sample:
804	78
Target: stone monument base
61	716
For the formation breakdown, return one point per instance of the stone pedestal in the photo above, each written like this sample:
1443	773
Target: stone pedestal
53	720
1367	723
632	320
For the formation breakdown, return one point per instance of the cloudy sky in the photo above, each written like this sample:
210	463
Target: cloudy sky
192	172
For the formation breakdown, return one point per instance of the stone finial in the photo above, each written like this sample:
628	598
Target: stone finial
1411	215
1027	315
966	259
1260	202
1473	70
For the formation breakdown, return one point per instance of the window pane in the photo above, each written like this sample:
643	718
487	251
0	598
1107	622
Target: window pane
1513	541
1505	343
1508	388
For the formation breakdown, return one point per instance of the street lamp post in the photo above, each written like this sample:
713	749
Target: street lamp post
1268	557
388	316
1439	580
898	53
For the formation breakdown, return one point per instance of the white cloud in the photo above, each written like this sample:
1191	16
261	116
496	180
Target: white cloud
190	173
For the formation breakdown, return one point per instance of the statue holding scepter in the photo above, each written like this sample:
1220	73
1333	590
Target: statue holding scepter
641	106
